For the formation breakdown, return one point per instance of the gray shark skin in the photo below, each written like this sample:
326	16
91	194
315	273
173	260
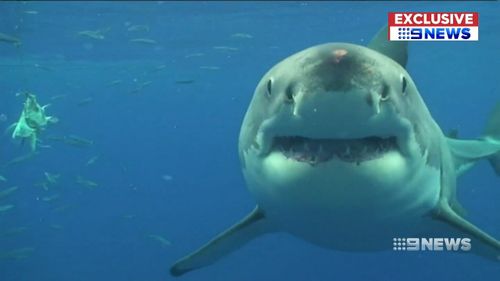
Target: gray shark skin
337	142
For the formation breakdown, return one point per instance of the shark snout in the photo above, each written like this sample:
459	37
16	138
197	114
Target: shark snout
335	105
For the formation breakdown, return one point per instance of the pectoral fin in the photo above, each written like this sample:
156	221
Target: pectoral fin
452	223
482	243
492	134
467	152
253	225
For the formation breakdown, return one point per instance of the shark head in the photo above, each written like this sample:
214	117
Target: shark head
333	102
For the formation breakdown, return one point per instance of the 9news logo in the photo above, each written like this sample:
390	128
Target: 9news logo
431	244
433	26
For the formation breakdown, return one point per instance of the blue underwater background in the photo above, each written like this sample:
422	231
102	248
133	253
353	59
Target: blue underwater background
163	119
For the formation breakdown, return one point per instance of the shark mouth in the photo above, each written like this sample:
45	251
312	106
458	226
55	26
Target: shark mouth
315	151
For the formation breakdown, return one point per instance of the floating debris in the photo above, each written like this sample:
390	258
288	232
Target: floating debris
92	160
17	254
186	81
3	117
6	192
32	121
5	208
10	39
32	12
164	242
2	178
145	41
94	34
242	35
225	48
210	67
194	55
85	101
13	231
138	27
86	183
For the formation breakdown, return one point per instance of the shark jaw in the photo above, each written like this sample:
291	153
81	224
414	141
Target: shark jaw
298	141
317	151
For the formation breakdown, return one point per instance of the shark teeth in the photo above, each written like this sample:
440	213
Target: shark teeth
315	151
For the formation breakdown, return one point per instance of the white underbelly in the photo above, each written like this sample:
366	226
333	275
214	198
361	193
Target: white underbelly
344	205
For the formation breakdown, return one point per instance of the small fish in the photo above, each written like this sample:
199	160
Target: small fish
128	217
164	242
115	82
85	101
194	55
94	34
77	141
145	41
56	226
2	178
44	185
5	208
13	231
210	67
3	117
52	178
146	83
17	254
62	208
161	66
186	81
58	97
123	168
43	67
50	198
242	35
92	160
138	27
32	12
20	159
167	177
225	48
6	192
10	39
86	183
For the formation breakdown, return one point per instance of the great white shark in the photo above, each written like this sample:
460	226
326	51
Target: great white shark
338	148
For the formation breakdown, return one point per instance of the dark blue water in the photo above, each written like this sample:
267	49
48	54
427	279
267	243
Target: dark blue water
168	162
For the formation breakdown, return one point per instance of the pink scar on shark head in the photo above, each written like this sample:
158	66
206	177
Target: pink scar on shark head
339	54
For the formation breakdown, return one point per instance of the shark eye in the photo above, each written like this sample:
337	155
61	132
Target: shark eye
269	87
403	85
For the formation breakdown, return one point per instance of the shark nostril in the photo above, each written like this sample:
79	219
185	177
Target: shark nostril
385	93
